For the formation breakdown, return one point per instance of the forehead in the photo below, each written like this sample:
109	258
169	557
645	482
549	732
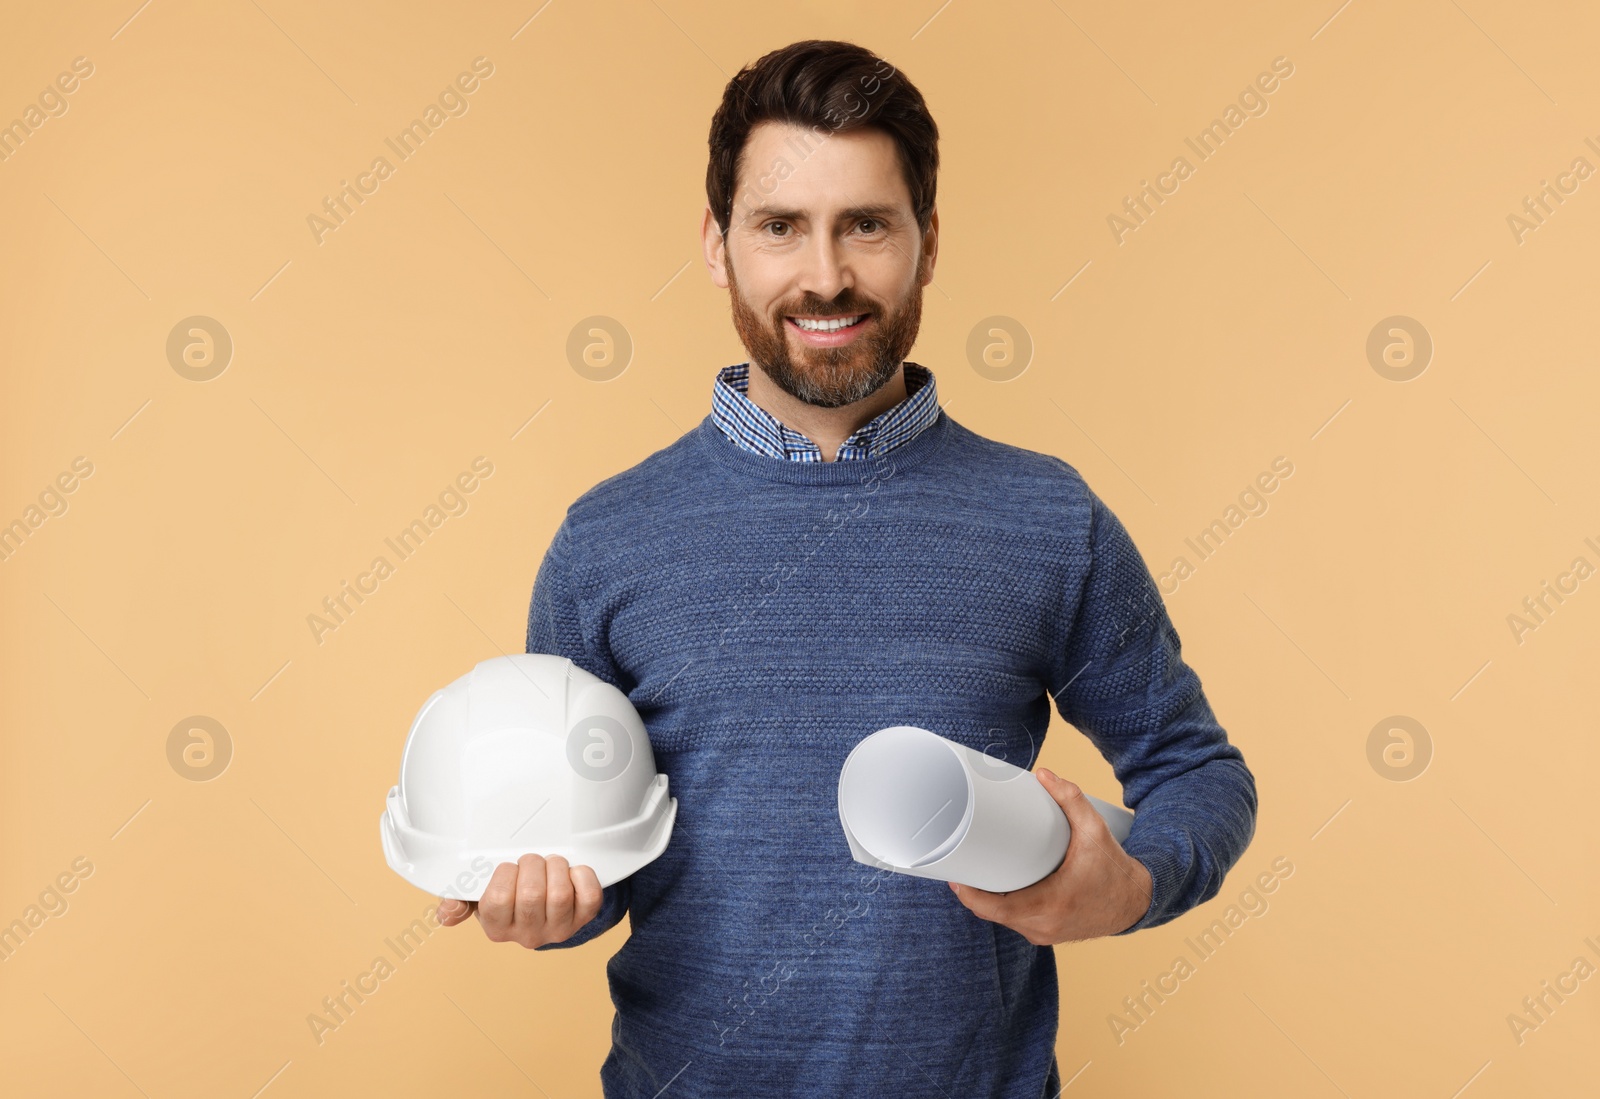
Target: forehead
819	172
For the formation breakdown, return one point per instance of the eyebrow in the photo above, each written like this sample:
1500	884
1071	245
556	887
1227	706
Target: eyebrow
880	210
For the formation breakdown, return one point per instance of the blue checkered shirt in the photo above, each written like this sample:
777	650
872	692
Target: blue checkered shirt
754	428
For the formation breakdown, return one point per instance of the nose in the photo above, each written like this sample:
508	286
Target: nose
825	271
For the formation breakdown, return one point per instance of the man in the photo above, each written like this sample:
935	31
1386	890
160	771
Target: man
826	554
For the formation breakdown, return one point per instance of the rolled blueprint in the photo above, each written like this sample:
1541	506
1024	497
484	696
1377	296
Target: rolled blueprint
921	804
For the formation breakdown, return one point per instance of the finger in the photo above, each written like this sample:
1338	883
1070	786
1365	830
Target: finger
991	906
532	882
588	894
452	911
559	898
495	906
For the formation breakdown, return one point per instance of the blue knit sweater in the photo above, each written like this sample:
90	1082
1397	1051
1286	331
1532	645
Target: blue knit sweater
763	616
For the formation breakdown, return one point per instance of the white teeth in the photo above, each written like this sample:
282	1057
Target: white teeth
826	326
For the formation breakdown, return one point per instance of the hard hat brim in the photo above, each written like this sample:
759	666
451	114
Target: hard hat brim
451	868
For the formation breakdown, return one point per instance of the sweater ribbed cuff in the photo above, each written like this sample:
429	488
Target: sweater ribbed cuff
1168	872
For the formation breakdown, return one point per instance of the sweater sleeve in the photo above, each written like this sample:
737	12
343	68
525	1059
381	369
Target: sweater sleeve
1124	684
555	626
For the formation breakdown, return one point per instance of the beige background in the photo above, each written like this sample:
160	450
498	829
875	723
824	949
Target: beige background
370	369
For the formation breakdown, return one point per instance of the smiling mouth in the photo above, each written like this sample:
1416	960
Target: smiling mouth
827	324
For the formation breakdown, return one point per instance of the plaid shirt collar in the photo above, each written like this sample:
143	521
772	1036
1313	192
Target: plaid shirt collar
754	428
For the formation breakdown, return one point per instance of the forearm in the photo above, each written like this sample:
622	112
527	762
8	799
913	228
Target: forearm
1188	832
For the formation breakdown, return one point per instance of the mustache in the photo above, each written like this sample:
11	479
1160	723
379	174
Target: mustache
848	308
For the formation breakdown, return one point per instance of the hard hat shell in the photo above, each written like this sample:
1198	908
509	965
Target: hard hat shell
526	753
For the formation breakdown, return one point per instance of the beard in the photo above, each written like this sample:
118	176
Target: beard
829	377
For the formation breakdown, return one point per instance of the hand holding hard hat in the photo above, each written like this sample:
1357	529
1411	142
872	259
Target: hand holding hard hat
532	901
526	778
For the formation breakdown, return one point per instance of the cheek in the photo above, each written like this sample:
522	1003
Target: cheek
762	300
759	307
889	291
761	276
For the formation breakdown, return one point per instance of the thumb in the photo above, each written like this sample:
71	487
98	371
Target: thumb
452	912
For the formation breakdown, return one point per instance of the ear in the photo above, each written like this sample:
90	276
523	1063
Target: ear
715	248
930	248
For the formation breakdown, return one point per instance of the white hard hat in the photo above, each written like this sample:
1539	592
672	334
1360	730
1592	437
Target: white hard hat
527	753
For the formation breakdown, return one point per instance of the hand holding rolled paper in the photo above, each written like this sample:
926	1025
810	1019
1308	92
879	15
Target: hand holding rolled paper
920	804
1099	889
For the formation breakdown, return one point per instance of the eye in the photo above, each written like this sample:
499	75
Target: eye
770	224
870	221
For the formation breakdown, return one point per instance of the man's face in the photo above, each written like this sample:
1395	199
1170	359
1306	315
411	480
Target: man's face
825	234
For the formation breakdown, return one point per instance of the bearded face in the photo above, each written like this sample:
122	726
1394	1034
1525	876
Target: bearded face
829	369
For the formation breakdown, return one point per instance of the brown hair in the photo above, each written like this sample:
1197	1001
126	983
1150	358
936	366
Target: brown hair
830	87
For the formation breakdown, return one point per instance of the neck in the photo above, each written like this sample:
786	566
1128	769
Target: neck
827	427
